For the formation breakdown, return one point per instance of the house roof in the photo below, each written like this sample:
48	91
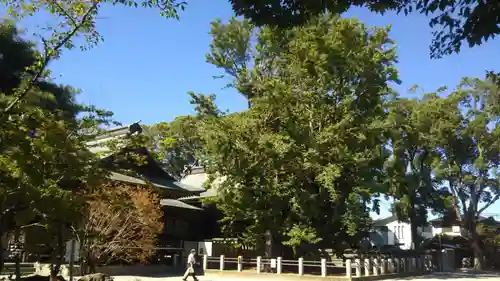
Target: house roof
149	172
212	192
155	182
164	202
99	143
178	204
452	220
385	221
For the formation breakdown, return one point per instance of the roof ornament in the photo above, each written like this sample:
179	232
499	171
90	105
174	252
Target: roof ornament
187	170
135	128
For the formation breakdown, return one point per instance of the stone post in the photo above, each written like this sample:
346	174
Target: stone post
301	266
383	265
358	267
240	263
348	268
367	267
323	267
176	260
259	264
278	265
375	267
205	262
221	262
390	266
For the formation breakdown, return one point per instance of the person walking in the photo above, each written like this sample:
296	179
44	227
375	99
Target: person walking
191	262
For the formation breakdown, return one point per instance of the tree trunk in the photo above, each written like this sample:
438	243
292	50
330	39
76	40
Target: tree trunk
415	238
2	252
83	265
71	259
57	261
18	266
479	261
17	255
91	265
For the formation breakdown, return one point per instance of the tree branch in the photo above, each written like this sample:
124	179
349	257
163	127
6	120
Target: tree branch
488	204
48	56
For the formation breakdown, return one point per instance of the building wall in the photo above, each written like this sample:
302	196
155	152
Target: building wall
450	231
195	180
205	248
399	233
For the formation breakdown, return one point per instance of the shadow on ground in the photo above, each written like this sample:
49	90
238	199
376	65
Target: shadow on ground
177	273
454	275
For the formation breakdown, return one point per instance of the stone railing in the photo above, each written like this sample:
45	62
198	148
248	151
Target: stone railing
348	267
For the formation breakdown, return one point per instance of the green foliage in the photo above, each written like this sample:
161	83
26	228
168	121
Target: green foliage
467	138
301	161
409	178
231	51
176	144
469	145
44	163
456	22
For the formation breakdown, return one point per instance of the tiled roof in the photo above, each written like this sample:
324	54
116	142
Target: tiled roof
384	221
163	202
178	204
212	192
124	178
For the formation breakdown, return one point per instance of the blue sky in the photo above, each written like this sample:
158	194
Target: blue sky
147	64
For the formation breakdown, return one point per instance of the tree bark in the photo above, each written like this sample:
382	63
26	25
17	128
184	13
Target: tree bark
57	261
2	251
18	254
415	238
18	266
479	261
92	265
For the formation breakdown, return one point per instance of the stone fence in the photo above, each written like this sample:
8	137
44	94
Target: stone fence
348	268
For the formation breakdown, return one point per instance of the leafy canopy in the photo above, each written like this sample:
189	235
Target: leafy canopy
44	163
455	22
301	161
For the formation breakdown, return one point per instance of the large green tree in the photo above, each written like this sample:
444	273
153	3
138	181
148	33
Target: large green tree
467	138
301	161
455	22
409	178
44	163
176	144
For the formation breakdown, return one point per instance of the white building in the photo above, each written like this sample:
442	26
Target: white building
445	227
390	231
